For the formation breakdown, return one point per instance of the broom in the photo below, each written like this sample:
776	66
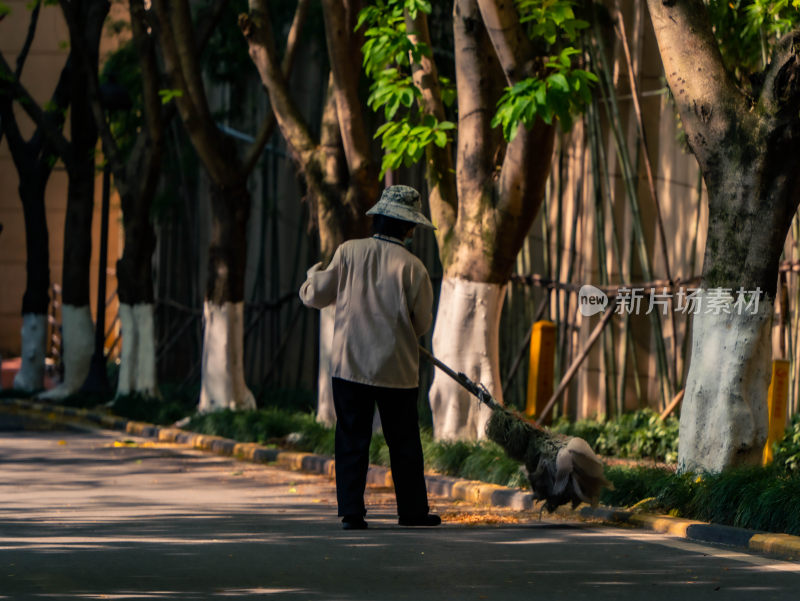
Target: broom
561	469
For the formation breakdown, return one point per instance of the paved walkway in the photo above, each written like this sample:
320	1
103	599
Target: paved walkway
91	516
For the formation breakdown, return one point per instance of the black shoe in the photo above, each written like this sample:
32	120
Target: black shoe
428	519
353	522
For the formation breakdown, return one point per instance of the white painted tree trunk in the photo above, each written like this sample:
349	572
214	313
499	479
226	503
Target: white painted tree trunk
137	369
466	338
30	376
724	414
326	414
77	335
222	377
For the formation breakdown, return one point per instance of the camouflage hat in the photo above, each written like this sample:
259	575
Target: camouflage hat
401	202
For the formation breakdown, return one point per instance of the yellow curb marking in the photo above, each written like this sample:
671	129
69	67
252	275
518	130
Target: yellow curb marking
775	543
291	460
246	450
665	524
168	434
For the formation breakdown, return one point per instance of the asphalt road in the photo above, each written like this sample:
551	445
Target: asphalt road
91	516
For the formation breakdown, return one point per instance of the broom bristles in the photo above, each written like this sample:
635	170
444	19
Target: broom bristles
561	469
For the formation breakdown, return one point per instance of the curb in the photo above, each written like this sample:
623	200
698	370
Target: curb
784	546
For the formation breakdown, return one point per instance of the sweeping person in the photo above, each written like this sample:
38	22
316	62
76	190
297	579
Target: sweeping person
383	303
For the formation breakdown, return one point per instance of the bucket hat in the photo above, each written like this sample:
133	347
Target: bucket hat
401	202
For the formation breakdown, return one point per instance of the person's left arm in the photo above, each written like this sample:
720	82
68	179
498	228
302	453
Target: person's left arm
422	307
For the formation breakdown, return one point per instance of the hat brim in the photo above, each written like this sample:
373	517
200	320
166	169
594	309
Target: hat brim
401	213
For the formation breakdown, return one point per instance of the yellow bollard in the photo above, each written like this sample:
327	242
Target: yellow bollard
540	375
776	405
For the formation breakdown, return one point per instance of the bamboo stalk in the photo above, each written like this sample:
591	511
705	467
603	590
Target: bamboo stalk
548	267
561	333
600	229
795	389
569	326
673	404
650	183
783	301
627	342
640	242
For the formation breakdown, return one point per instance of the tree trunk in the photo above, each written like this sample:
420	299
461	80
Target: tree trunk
483	208
77	326
77	335
724	412
30	376
137	373
77	260
466	336
36	299
137	368
746	143
723	418
326	414
222	377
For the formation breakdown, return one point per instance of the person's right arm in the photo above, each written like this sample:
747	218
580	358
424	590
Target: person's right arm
319	289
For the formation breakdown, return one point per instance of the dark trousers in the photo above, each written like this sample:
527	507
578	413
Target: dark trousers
355	406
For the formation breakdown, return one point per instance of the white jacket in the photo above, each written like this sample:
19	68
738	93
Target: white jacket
384	302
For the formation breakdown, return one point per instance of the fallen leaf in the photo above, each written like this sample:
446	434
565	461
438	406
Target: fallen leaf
125	443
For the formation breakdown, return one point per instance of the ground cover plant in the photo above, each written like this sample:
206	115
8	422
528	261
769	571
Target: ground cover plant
637	435
759	498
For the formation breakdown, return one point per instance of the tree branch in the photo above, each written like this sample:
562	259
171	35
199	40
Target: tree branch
42	120
206	138
154	121
708	99
511	45
345	78
475	100
268	125
110	148
442	196
206	26
16	144
183	33
26	46
780	95
520	188
257	30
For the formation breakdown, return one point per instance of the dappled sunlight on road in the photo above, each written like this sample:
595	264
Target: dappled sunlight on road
91	520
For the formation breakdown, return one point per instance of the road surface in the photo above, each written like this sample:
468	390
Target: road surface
97	515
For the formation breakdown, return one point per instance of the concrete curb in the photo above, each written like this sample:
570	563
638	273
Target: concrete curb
784	546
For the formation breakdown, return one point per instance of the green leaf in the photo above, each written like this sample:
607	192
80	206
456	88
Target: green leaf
168	95
558	81
407	96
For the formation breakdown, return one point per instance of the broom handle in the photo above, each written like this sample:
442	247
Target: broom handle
478	390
